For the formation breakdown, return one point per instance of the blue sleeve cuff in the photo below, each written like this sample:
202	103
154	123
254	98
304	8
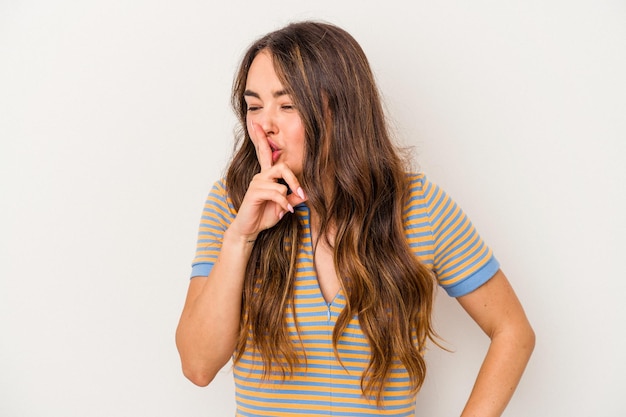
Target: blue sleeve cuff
201	269
475	280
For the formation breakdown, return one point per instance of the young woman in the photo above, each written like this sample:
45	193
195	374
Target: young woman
319	252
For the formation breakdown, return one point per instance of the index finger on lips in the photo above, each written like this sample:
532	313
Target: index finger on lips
263	150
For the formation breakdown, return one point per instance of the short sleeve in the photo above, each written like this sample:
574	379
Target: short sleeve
445	240
217	215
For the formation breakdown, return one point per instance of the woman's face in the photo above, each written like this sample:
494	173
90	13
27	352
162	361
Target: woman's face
273	110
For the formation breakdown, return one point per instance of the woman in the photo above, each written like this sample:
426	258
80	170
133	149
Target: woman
319	253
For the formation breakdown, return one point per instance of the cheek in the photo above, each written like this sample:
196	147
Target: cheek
249	126
301	141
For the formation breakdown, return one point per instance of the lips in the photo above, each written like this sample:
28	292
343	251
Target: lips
275	151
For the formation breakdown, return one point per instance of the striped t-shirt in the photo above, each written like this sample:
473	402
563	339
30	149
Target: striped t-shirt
439	234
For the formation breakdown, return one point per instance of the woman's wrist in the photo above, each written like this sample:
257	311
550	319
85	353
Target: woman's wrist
231	237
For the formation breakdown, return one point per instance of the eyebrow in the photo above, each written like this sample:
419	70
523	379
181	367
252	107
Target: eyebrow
276	94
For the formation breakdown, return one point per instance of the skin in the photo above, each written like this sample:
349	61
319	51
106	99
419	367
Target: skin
497	310
271	109
208	329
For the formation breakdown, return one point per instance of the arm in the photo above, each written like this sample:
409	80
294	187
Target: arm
496	309
208	329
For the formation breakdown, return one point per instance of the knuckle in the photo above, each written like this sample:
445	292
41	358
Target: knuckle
283	166
280	191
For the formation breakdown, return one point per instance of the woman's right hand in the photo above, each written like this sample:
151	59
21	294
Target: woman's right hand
266	200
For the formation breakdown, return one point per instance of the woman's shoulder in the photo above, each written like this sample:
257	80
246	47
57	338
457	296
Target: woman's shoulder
219	189
421	191
415	176
417	182
220	185
218	195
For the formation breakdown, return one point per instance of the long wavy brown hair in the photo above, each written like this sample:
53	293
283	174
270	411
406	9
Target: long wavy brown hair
357	185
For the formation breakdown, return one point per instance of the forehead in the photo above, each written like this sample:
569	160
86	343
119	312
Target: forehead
262	75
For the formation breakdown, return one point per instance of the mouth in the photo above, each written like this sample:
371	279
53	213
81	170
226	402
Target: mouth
275	151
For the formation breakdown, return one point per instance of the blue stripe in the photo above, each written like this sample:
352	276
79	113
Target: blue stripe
474	281
312	393
213	209
302	401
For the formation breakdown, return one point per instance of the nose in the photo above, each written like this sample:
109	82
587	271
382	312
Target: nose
267	120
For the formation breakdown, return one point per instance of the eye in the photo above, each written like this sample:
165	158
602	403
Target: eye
253	108
288	107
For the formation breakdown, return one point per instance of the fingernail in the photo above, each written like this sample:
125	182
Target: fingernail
281	214
289	207
300	192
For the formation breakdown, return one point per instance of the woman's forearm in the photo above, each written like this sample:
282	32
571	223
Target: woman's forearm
500	372
209	325
496	309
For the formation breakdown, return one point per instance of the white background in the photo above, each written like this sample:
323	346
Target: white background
115	121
